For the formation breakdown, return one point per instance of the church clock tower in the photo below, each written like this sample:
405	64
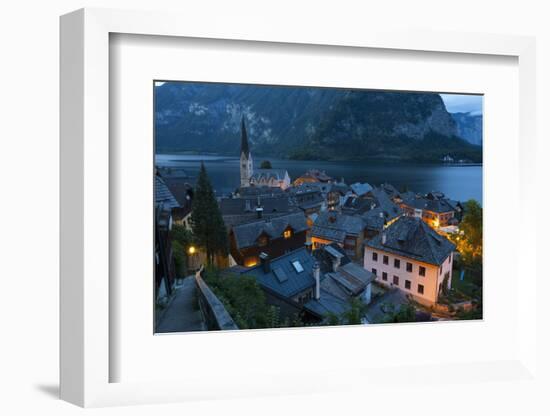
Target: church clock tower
246	157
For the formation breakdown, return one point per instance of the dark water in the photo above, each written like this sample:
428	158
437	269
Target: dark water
457	182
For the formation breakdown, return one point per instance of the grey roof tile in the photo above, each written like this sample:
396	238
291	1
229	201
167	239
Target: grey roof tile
411	237
295	283
246	235
163	196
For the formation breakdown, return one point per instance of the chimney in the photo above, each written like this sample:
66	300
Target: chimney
317	277
335	263
309	246
259	212
266	263
384	237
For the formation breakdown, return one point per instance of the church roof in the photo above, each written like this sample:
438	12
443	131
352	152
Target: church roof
244	139
267	174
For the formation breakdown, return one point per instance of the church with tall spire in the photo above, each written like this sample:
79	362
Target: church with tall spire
246	157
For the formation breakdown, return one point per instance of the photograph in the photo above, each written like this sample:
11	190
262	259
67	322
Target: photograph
306	206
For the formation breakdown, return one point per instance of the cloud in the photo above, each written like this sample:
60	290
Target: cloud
459	103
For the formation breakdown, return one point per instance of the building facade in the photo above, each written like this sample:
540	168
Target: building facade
413	258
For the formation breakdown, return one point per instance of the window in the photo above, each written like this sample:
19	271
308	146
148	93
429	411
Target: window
409	267
408	284
374	272
396	263
385	260
450	257
297	266
262	241
287	233
374	256
421	289
422	271
440	269
396	280
384	276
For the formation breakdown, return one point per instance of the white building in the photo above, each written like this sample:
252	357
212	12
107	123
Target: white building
411	256
274	178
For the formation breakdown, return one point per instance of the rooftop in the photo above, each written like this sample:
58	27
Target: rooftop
413	238
163	196
246	235
284	276
360	189
266	174
335	226
248	204
433	201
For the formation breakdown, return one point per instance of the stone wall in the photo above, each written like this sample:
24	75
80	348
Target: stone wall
214	313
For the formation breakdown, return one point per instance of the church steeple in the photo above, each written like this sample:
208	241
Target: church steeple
244	139
246	157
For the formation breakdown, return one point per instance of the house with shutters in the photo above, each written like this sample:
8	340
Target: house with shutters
410	256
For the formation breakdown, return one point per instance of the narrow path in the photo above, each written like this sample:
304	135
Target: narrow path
180	315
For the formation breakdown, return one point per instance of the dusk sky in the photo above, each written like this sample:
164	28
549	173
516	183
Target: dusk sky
456	103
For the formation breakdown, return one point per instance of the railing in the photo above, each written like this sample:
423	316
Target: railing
214	313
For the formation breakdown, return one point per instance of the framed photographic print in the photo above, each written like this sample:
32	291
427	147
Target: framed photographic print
321	199
345	218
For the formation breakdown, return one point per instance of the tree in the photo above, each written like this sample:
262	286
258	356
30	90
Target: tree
182	235
472	224
266	164
355	313
180	260
243	299
206	219
404	313
470	242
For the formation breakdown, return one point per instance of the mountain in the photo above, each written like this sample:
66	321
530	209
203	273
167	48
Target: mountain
470	127
306	123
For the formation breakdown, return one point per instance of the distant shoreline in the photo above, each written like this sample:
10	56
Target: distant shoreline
371	159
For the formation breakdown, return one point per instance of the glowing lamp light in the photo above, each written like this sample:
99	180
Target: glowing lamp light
192	250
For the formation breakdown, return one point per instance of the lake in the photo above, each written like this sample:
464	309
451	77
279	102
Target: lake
455	181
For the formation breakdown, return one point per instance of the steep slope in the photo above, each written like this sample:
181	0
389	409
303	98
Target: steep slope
308	123
470	127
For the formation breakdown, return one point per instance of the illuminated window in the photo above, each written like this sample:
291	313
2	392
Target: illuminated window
287	233
250	261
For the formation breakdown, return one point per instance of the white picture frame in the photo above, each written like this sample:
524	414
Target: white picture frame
85	210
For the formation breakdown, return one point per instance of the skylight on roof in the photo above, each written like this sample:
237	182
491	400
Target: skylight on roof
280	274
297	266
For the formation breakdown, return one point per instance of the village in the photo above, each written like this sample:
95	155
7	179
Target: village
310	251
